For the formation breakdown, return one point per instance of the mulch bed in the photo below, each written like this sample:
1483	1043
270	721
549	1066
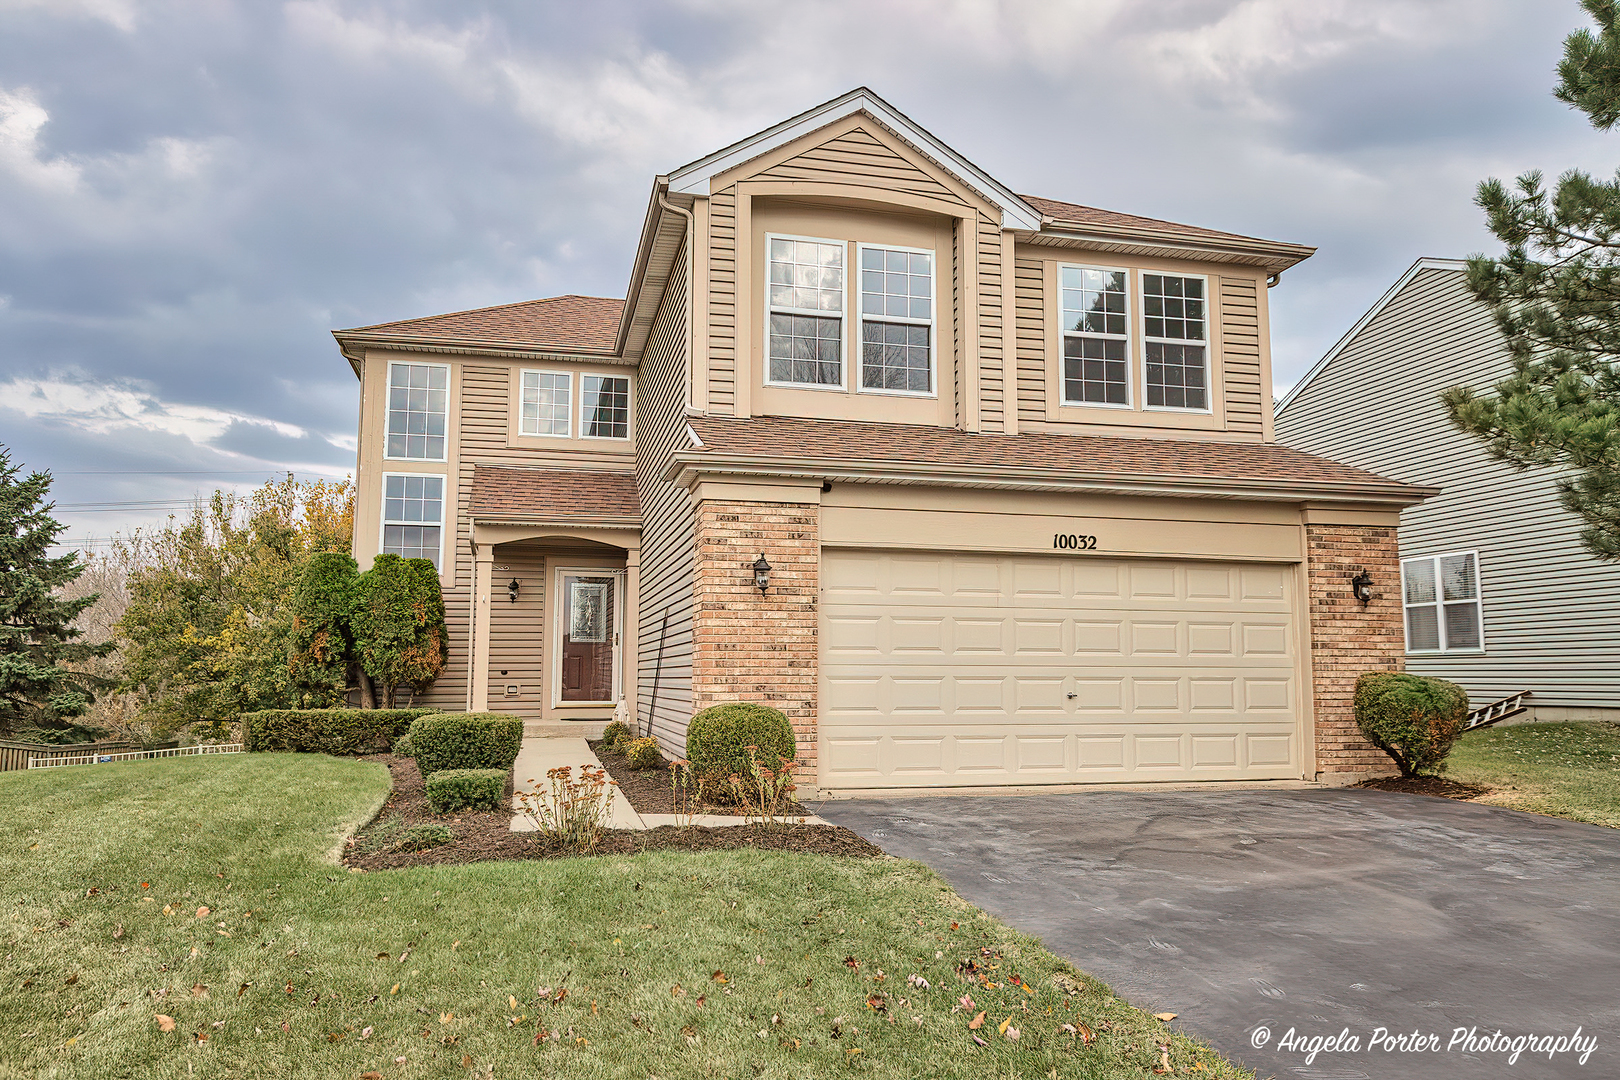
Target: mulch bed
1427	785
649	791
482	835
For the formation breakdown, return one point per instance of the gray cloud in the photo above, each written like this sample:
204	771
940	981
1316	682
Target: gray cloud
192	195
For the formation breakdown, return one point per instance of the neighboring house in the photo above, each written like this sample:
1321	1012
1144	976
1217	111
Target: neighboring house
1009	462
1500	595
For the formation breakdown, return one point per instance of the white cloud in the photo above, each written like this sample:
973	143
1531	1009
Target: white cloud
103	409
21	117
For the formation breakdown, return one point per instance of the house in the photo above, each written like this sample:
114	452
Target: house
980	489
1499	594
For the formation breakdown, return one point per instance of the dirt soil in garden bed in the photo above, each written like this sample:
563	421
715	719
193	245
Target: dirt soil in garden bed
1427	785
483	835
648	789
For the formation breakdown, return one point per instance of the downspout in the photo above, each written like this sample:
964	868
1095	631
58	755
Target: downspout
658	673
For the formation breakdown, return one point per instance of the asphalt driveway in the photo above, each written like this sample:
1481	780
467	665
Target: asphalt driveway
1316	911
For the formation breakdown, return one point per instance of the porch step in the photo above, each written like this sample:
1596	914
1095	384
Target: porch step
563	729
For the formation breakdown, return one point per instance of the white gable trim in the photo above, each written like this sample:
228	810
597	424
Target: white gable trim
694	179
1362	323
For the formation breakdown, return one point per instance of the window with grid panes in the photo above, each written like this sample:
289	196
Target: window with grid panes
805	293
604	406
546	406
1173	324
897	320
1441	597
1096	341
417	406
413	516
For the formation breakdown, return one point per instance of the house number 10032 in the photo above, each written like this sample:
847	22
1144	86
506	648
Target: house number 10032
1072	542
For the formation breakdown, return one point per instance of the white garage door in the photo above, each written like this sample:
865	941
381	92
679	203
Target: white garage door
942	670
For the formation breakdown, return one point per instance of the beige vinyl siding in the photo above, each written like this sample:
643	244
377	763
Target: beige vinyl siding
668	545
1240	356
1030	297
517	631
722	327
857	157
1548	605
992	374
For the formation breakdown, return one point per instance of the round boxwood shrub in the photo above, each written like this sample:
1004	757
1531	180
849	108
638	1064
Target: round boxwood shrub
466	789
718	737
1415	720
466	741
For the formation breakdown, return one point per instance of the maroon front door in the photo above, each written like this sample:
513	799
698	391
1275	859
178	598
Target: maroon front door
590	638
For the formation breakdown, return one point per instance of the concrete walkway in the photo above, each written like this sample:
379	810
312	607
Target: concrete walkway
539	755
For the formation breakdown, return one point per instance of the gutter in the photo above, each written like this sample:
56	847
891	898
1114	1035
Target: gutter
1276	253
686	467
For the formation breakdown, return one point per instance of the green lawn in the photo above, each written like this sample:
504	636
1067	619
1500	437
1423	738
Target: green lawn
1566	770
299	968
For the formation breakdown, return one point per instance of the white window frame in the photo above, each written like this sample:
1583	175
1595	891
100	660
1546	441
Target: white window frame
932	322
557	623
1208	344
842	386
1439	605
388	391
444	502
1064	333
572	396
629	407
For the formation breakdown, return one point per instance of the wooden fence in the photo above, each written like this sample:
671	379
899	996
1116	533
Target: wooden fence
16	755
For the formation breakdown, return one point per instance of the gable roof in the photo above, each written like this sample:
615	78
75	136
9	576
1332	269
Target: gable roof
913	453
564	323
1343	343
693	178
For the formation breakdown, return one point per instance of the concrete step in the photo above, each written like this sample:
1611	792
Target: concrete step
563	729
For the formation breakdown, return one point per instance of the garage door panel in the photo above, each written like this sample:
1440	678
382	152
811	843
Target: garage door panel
975	670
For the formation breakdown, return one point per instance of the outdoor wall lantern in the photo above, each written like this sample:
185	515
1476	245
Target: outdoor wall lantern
512	590
1361	585
762	574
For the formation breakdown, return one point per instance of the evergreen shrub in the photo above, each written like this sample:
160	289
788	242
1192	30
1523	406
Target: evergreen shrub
466	741
466	789
327	731
717	741
1413	719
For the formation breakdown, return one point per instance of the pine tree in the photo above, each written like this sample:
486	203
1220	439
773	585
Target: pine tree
1555	293
39	696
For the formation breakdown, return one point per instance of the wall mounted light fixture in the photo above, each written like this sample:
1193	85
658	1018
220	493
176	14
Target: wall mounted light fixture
1361	585
762	574
512	590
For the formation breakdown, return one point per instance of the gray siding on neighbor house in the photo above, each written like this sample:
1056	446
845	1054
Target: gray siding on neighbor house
1549	608
668	543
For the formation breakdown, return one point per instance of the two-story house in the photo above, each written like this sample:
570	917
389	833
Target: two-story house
979	488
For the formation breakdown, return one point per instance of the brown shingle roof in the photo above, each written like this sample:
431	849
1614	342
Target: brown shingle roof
501	493
1091	215
838	441
559	322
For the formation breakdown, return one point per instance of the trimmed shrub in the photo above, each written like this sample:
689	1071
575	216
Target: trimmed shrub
466	741
327	731
1415	720
422	837
402	746
718	737
466	789
643	753
614	734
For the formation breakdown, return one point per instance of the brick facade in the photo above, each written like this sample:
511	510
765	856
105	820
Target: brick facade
749	647
1348	639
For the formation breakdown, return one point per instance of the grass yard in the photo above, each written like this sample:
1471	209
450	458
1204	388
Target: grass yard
203	892
1565	770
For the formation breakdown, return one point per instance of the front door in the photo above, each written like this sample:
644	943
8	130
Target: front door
589	633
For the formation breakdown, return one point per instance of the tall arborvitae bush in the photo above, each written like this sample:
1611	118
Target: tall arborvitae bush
400	636
320	644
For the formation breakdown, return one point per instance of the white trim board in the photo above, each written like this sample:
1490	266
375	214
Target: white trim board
693	179
1361	324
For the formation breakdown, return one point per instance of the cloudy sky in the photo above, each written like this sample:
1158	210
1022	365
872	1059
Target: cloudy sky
194	192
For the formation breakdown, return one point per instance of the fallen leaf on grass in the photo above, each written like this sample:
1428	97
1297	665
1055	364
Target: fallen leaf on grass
199	991
1002	1027
202	913
466	1061
243	989
976	1023
118	933
1166	1017
851	962
165	1023
980	1041
366	1034
445	1018
372	1075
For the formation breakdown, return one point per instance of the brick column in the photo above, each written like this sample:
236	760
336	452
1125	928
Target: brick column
749	647
1348	639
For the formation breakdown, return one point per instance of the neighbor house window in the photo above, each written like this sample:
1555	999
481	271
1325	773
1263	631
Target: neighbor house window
897	320
1173	323
413	516
604	406
417	407
546	405
1096	343
805	285
1442	603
